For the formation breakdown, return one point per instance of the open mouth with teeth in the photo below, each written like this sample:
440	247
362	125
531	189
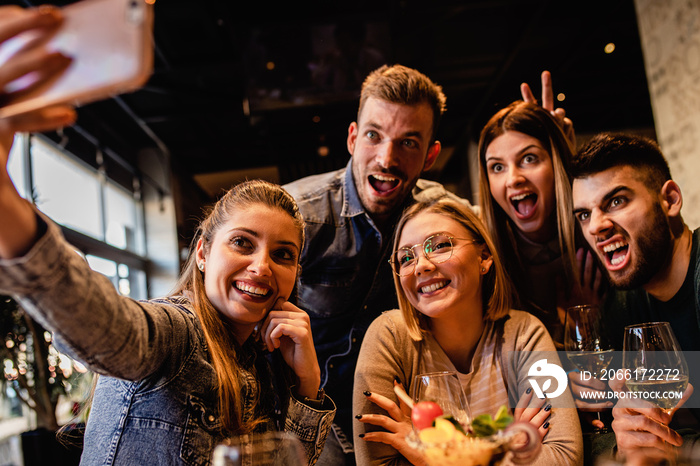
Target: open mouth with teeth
433	287
524	204
383	184
615	253
253	291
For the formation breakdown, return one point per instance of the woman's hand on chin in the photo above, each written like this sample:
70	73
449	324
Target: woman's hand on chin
288	329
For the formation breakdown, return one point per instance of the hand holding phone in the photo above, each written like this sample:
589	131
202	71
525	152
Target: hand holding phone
110	46
44	22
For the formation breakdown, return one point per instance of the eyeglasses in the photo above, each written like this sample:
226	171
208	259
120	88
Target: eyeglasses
436	248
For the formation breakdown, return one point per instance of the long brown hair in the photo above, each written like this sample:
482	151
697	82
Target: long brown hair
220	340
496	288
534	121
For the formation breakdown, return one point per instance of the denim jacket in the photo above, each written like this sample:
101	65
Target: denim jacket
156	400
346	280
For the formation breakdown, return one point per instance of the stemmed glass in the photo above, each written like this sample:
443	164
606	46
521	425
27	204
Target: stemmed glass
445	389
654	365
586	345
260	449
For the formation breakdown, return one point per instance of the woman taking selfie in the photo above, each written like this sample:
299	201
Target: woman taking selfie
226	354
454	315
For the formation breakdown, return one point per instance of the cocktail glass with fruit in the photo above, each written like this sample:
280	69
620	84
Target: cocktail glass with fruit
444	432
486	442
444	390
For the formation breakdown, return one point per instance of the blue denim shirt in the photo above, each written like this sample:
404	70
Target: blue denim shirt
346	280
156	400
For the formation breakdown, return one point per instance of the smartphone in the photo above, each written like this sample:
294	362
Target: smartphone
111	44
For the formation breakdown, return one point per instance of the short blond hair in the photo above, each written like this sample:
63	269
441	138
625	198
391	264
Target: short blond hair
496	287
399	84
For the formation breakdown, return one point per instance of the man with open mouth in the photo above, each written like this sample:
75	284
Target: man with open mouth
629	210
346	280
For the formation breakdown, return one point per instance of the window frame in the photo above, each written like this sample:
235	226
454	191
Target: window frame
85	243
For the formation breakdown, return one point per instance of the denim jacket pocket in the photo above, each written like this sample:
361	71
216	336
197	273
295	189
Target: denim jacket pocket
202	432
321	291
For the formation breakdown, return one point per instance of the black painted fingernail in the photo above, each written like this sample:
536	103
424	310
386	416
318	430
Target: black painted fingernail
545	425
366	393
529	390
361	435
359	416
397	379
548	407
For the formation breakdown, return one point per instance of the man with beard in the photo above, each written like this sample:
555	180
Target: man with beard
629	210
350	214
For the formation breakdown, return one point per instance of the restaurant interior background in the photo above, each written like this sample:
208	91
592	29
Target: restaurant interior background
267	90
256	89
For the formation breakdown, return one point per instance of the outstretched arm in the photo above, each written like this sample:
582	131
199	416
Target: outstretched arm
18	228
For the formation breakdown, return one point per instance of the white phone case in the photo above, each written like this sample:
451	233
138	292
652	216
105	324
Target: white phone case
111	44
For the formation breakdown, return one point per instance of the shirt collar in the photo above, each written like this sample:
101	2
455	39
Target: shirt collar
352	205
537	253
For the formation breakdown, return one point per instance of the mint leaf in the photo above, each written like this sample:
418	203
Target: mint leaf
503	422
502	412
484	425
454	422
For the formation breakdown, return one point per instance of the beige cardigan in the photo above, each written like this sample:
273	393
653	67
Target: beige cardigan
496	378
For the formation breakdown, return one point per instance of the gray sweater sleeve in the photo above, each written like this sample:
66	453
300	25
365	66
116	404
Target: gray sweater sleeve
387	351
112	334
526	340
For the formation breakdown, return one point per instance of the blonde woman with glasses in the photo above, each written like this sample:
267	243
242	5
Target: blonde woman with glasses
454	315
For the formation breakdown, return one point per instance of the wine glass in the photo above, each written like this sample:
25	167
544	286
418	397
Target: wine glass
586	346
654	365
260	449
445	389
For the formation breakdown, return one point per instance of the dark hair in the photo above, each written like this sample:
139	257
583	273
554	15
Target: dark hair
220	339
608	150
399	84
534	121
